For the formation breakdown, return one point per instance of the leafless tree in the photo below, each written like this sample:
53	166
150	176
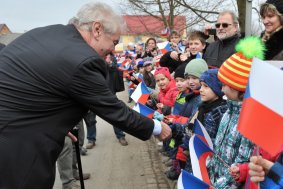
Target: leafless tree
167	10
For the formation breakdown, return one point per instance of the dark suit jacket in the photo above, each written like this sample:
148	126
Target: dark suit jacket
49	78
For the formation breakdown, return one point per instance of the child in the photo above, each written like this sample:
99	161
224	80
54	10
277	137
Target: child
147	75
230	146
168	90
213	106
193	71
183	91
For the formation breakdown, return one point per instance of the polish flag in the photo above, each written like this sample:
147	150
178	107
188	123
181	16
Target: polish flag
141	93
261	117
144	110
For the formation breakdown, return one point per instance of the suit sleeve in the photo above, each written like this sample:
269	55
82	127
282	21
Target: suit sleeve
89	87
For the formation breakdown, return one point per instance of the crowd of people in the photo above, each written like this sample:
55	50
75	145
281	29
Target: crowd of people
207	82
50	83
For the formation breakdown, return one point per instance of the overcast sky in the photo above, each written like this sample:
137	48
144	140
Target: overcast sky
23	15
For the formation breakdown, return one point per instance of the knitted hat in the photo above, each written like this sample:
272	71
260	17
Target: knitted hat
210	78
278	4
147	63
196	67
235	71
164	71
179	72
140	64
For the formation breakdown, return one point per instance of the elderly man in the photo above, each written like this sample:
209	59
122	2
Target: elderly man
49	78
227	31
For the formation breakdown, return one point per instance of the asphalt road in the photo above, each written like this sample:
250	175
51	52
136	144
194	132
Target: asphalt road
112	166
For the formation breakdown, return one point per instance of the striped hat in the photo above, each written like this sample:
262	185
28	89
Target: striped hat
235	71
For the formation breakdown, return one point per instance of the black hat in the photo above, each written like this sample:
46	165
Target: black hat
278	4
179	72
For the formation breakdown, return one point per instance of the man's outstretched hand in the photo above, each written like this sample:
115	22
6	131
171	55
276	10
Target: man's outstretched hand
166	132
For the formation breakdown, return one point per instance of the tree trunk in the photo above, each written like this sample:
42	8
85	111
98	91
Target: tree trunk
242	14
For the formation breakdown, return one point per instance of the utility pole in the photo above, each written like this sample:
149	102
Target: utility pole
248	25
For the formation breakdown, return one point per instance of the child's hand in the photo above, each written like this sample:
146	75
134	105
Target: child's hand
168	120
174	55
235	172
183	57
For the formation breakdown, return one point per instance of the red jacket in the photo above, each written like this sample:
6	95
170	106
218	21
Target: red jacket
168	95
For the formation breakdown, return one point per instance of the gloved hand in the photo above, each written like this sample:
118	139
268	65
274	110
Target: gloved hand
158	116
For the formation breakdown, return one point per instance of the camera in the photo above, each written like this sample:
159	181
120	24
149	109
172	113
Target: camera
212	32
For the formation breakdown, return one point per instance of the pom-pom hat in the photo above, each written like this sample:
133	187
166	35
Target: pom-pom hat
235	71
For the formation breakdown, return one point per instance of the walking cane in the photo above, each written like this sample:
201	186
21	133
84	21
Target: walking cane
74	136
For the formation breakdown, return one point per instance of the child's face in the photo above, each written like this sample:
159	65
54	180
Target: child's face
206	93
162	81
141	69
231	93
196	46
154	53
148	68
193	82
180	84
175	39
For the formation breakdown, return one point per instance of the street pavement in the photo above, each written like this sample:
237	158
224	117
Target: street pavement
136	166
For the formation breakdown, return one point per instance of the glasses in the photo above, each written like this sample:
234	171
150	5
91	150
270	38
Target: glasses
224	25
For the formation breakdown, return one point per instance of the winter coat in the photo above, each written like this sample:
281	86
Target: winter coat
274	46
180	102
193	101
274	178
220	50
168	95
210	115
49	79
171	64
230	146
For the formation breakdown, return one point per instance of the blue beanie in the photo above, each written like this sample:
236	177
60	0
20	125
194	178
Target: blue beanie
210	78
140	64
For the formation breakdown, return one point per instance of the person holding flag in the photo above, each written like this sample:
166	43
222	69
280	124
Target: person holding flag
231	147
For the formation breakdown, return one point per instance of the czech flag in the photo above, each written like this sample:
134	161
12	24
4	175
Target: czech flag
261	117
144	110
165	32
188	181
164	47
141	93
202	133
199	152
139	77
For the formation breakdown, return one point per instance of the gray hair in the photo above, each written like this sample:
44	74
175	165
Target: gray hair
98	12
234	18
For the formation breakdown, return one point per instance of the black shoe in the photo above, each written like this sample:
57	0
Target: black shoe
172	175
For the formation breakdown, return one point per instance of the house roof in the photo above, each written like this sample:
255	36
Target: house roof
4	26
8	38
143	24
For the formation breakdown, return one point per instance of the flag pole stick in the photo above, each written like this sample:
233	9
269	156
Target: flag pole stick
223	162
257	153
